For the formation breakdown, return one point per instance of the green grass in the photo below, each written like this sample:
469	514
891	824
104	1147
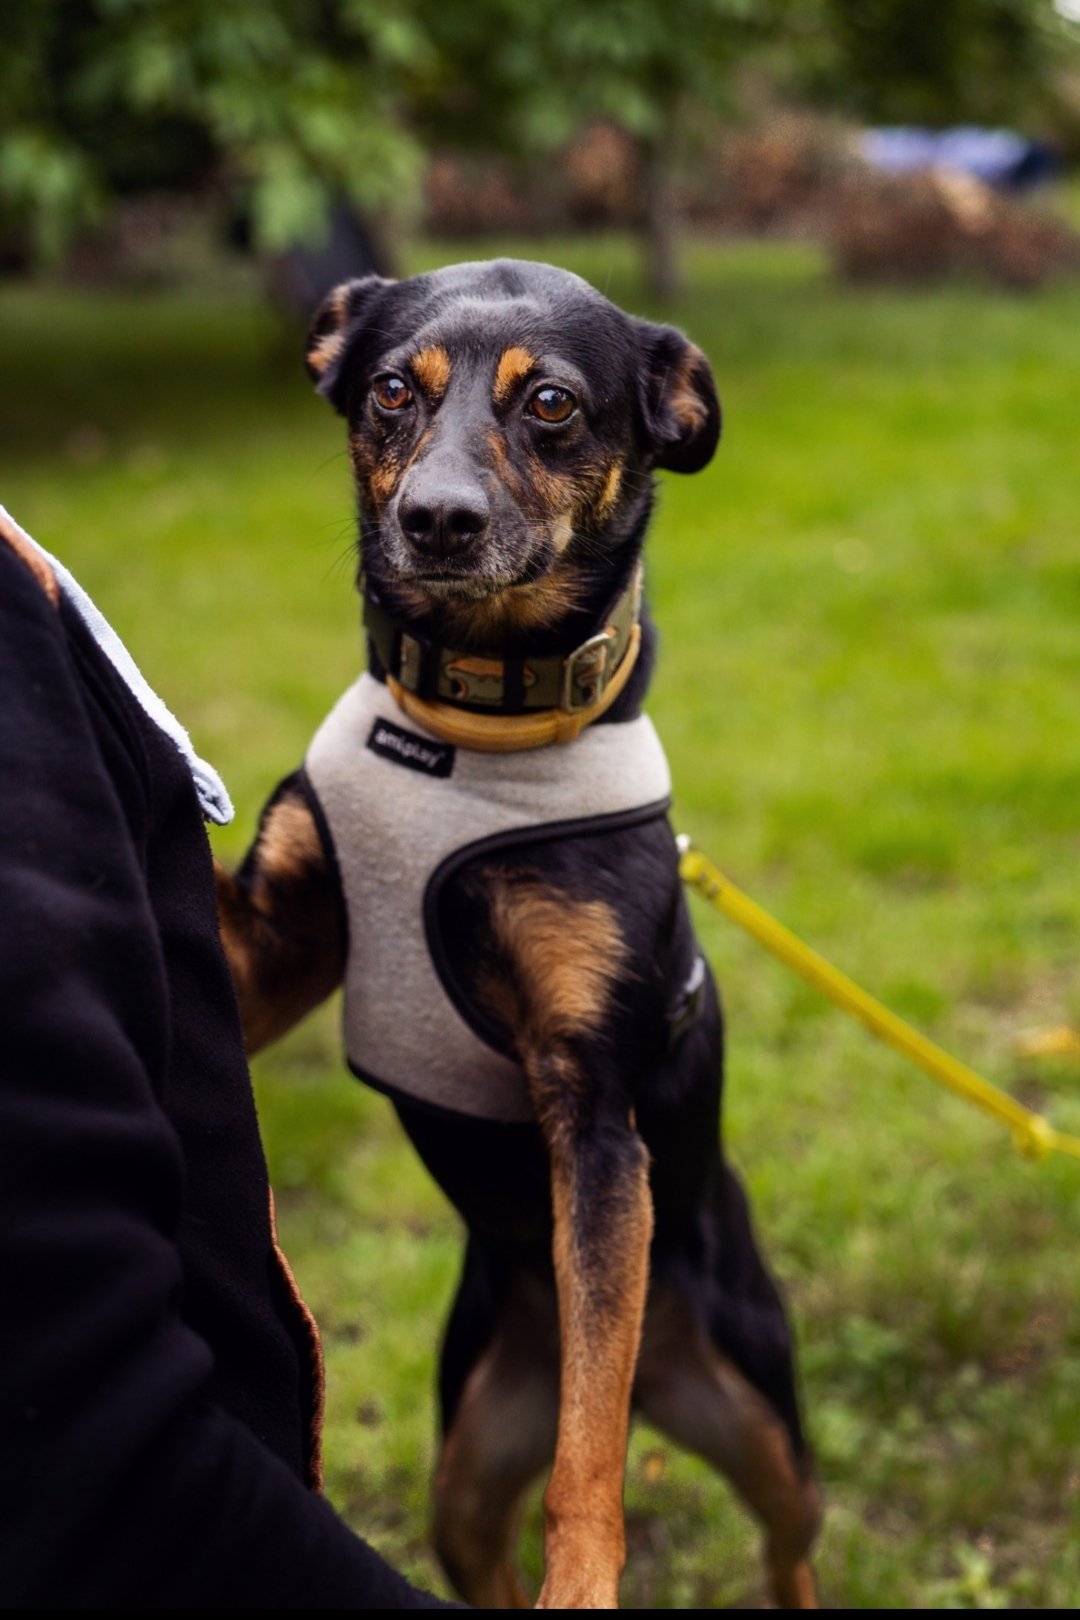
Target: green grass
868	690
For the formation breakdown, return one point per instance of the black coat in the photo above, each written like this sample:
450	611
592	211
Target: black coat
159	1377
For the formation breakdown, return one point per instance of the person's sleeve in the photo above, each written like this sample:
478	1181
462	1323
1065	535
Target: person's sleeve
121	1483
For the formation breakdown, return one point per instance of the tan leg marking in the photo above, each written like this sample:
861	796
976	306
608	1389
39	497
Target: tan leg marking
502	1435
565	957
280	927
691	1392
601	1301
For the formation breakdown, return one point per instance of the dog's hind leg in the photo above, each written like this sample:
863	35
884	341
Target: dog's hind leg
690	1391
500	1436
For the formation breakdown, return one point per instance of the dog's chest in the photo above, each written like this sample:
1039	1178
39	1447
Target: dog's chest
403	811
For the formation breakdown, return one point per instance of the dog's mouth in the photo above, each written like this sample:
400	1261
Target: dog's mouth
487	571
515	589
447	585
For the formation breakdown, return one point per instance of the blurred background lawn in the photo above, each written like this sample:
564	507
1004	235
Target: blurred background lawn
868	690
868	607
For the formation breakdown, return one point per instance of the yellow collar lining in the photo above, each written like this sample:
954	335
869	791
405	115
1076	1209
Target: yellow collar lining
512	733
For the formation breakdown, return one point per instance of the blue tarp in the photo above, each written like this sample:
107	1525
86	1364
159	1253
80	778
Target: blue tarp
999	157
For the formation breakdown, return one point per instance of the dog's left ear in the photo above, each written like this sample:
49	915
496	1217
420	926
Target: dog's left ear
679	404
337	321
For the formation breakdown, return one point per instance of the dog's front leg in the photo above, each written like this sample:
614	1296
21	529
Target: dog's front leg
281	920
556	980
603	1227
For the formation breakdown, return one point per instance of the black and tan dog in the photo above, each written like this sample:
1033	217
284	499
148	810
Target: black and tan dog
478	845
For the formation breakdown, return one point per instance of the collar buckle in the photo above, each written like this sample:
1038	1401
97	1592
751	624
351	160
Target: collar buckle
586	672
410	670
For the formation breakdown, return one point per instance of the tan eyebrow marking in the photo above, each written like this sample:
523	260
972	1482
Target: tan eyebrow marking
432	368
514	364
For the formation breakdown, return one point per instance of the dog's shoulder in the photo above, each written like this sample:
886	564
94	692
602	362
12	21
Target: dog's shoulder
582	927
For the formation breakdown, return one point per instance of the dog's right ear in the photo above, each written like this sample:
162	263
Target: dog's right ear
338	320
679	406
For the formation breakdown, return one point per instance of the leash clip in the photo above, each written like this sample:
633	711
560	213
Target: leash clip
586	667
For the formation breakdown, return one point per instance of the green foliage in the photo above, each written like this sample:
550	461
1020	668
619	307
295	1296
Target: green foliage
936	62
297	101
527	75
287	105
291	102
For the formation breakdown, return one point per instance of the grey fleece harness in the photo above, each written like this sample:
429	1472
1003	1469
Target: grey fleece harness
404	810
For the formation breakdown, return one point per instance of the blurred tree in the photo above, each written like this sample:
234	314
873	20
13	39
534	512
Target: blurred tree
523	77
291	106
933	62
292	101
302	102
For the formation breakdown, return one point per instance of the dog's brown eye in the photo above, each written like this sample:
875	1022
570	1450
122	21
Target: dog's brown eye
553	404
392	393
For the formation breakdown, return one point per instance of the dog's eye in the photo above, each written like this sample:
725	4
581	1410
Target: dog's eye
553	404
391	393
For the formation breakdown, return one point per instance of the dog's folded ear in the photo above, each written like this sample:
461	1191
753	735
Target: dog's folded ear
337	321
679	405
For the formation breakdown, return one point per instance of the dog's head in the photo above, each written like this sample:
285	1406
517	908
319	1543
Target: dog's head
504	420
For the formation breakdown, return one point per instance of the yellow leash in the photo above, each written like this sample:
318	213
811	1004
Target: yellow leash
1032	1135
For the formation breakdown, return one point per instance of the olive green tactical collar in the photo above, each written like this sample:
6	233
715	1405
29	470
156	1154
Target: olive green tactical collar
570	682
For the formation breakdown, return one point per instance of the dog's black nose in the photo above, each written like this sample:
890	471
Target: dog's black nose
447	525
